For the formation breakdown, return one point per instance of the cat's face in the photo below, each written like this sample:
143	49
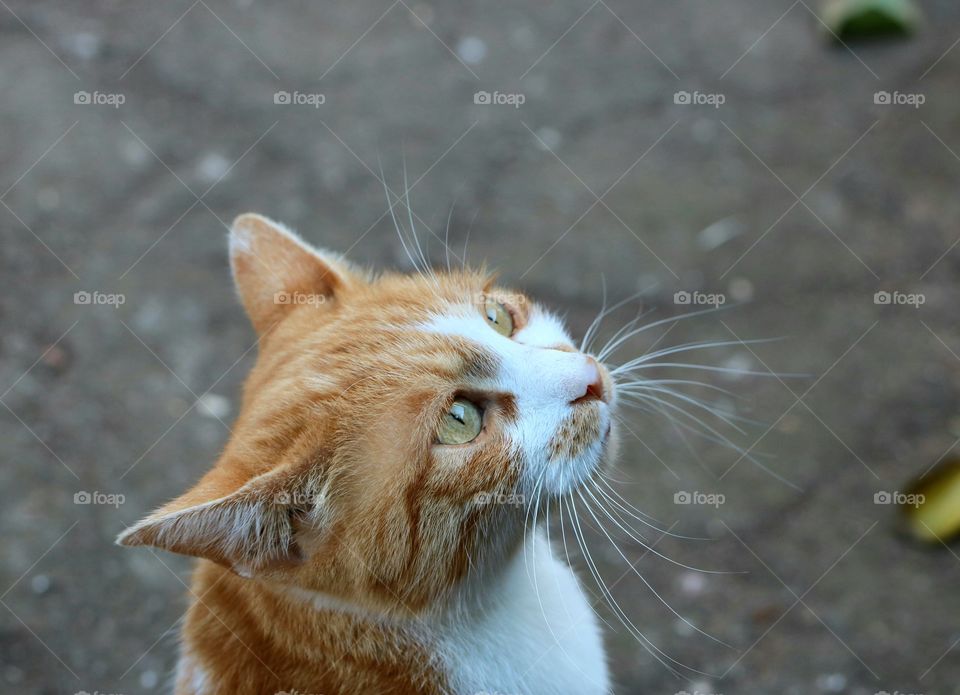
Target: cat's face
394	431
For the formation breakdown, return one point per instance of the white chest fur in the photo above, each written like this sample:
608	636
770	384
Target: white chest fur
538	634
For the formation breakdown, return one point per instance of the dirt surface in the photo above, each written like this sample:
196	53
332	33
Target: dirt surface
796	199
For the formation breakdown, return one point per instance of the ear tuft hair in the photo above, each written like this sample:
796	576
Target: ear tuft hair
255	528
272	267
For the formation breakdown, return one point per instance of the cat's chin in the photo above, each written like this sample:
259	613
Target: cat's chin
567	476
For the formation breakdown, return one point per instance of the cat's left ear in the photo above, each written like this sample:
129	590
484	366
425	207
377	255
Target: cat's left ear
276	272
265	523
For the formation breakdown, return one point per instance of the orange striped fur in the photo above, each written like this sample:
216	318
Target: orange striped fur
334	530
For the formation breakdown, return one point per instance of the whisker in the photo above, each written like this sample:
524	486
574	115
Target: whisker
396	224
624	332
446	232
610	349
658	654
718	437
644	395
534	495
608	598
637	573
689	347
604	312
656	410
634	514
643	543
706	368
678	382
588	334
466	240
413	229
536	584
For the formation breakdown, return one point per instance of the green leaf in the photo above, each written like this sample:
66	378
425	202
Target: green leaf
855	19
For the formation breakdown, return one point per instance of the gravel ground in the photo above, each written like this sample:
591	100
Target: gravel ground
796	199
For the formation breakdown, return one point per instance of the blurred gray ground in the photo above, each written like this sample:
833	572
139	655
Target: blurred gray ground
828	595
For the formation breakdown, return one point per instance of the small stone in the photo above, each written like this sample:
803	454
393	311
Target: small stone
84	45
12	674
472	50
832	682
549	138
134	153
40	584
213	167
149	679
213	406
737	365
56	357
692	583
702	687
741	290
719	233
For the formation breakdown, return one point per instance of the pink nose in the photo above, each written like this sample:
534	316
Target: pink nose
592	383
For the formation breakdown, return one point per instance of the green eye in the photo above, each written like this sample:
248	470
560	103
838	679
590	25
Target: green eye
461	424
499	318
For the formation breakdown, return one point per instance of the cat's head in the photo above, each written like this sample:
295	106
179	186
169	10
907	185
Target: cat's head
394	431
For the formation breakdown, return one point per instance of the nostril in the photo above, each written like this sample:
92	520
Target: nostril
593	391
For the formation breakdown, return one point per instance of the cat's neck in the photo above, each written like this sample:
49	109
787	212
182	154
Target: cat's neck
495	632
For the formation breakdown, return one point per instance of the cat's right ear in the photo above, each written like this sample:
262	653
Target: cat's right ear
275	271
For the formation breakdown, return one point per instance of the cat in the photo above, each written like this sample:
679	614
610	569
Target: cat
366	528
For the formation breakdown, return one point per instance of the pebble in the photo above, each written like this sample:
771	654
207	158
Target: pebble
213	405
832	682
740	289
213	167
134	153
40	584
472	50
13	675
84	45
549	138
719	233
738	363
692	583
149	679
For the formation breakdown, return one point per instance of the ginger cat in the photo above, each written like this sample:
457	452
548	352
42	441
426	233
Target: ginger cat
365	529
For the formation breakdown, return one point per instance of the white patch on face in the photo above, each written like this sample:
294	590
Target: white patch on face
543	380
